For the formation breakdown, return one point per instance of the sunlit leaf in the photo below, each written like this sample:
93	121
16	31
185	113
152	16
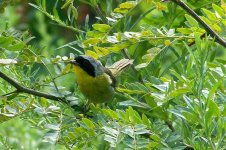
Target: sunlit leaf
218	9
68	2
92	54
101	27
88	123
210	14
7	61
51	136
140	66
128	4
191	21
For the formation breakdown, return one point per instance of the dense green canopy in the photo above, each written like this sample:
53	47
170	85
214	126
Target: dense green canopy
172	97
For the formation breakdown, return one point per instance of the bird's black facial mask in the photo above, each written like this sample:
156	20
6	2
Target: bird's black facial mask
85	63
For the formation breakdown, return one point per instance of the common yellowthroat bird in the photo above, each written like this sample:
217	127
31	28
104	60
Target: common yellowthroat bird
95	81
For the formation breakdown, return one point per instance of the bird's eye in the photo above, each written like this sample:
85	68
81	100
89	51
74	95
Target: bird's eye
85	63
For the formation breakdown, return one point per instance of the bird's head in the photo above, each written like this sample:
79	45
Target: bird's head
90	65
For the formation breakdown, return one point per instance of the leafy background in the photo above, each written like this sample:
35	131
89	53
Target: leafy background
173	97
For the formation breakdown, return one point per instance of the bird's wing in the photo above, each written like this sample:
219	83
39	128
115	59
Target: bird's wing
109	73
119	66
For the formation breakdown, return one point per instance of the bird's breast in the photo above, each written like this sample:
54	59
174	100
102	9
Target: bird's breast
96	89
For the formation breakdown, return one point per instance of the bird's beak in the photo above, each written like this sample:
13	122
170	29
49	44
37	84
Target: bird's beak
73	62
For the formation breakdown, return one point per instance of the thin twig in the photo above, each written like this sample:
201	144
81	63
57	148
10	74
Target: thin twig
13	92
193	42
22	89
208	29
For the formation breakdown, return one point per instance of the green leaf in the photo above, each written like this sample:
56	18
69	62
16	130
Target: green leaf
177	113
101	51
145	120
224	111
68	2
173	72
141	66
191	21
128	130
151	54
92	54
184	30
212	111
122	11
127	5
110	113
88	123
133	116
111	131
206	20
223	68
5	41
155	137
217	28
129	91
140	129
101	27
161	87
214	89
66	69
95	34
16	47
74	12
224	22
190	50
209	14
55	13
10	109
8	61
91	41
53	126
44	102
190	116
56	60
137	86
110	139
51	136
150	101
153	145
219	10
43	3
12	96
178	91
189	102
213	107
134	103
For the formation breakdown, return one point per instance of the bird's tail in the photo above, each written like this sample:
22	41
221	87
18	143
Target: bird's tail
119	66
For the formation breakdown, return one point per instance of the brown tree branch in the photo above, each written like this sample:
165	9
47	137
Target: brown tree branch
22	89
208	29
